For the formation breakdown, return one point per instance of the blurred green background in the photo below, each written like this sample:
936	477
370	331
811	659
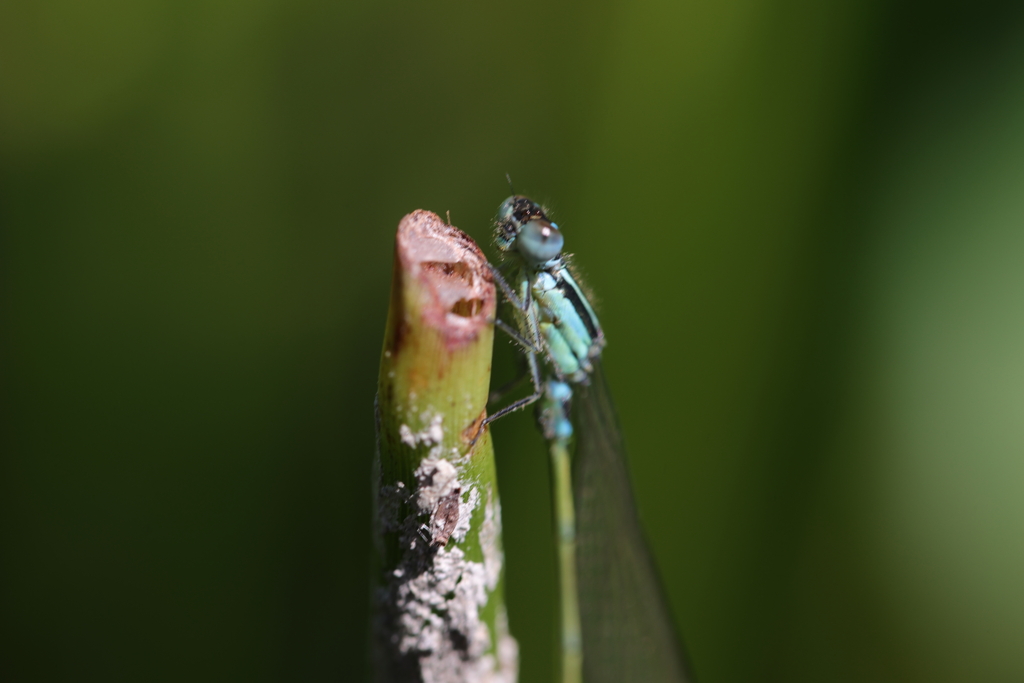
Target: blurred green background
804	222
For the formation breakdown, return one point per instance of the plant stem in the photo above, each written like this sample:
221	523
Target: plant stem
439	612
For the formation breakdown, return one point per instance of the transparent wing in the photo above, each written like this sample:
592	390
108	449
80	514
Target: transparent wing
628	634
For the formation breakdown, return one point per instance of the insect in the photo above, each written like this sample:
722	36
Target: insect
614	620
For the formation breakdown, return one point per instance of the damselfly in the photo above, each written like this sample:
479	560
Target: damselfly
615	623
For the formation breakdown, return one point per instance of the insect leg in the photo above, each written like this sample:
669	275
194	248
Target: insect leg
512	332
521	403
510	294
538	389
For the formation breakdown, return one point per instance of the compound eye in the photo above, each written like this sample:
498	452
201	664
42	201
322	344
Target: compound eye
505	210
539	241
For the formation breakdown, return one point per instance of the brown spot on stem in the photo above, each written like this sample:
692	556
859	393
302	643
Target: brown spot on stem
445	518
473	430
458	270
468	308
445	266
400	332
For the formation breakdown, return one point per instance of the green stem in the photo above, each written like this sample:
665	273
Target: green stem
439	610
